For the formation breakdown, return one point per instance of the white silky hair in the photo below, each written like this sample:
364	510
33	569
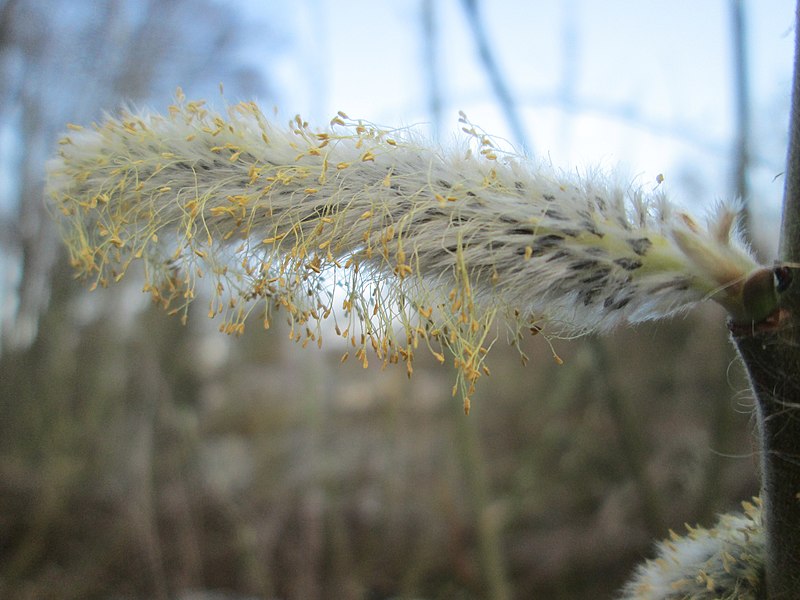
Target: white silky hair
725	562
443	241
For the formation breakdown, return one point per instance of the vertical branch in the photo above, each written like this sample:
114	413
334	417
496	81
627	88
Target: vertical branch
742	100
790	228
493	71
630	438
771	353
773	360
431	65
570	54
492	560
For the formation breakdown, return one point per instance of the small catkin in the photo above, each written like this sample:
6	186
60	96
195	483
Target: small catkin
722	563
404	244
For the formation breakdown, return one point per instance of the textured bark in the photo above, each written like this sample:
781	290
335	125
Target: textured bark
772	357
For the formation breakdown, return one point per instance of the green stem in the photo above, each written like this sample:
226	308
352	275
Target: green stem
490	547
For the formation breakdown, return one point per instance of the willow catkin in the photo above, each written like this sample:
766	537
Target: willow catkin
722	563
424	245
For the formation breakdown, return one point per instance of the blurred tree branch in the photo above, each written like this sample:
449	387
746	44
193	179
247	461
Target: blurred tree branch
771	353
498	83
790	228
431	65
742	101
58	68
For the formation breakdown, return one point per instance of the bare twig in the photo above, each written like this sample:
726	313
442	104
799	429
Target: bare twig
492	560
493	71
630	439
431	65
742	100
790	230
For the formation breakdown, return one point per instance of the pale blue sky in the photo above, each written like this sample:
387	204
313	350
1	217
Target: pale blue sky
651	83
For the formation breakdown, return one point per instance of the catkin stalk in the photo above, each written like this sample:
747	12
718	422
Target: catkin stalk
440	242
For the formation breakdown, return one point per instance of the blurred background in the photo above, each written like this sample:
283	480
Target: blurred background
140	458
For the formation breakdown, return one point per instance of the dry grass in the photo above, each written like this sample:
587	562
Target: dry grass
167	459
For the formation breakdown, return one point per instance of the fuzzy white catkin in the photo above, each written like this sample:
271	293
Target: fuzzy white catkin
440	241
725	562
426	246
